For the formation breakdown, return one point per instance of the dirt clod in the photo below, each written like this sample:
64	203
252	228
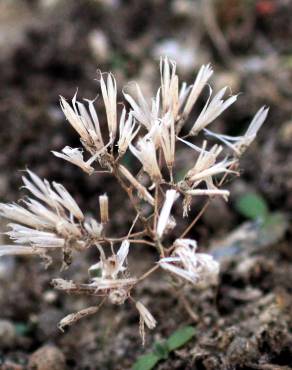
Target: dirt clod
47	357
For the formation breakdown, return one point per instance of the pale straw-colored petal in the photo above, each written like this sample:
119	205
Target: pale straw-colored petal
170	197
25	235
67	201
142	191
146	153
93	228
19	250
17	213
166	133
122	254
72	318
202	78
143	113
146	315
240	143
57	200
252	130
169	87
212	109
75	156
103	207
73	117
197	268
109	94
86	124
180	272
127	132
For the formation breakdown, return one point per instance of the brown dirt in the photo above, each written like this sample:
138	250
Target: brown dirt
246	322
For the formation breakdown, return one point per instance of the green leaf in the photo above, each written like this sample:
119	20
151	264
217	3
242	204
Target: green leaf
180	337
146	362
274	227
253	206
161	350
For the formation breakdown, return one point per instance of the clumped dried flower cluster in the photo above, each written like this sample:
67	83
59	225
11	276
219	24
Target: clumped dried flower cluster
151	132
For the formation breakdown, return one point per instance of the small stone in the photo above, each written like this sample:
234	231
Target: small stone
7	334
242	351
99	45
50	296
286	133
185	55
47	357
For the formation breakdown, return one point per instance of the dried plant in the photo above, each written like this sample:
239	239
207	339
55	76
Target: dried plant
150	131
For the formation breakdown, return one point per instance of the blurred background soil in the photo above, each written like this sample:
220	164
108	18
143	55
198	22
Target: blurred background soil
49	48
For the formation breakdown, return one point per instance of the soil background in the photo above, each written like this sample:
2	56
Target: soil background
49	48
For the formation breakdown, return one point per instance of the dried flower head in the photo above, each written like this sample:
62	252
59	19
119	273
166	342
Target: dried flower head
51	219
194	267
239	144
85	122
75	156
212	110
127	132
103	206
109	94
145	319
146	153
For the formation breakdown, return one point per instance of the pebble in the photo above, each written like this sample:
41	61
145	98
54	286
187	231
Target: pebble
50	296
99	45
7	334
47	357
184	55
242	351
286	133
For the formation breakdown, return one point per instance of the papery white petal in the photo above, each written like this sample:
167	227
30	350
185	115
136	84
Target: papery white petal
19	250
122	253
146	316
212	109
170	197
109	94
74	156
202	78
146	153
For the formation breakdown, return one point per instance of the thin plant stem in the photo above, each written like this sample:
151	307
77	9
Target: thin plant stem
155	208
142	241
121	238
133	224
187	306
147	273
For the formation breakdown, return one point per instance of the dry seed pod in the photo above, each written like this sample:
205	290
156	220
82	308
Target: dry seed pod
103	206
